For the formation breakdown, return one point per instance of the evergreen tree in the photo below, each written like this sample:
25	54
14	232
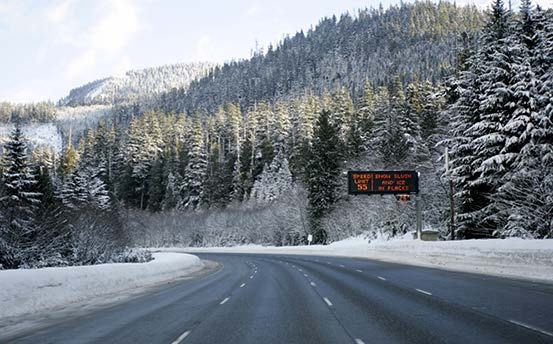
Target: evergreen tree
274	182
171	198
19	202
322	173
85	189
366	111
193	195
524	197
481	111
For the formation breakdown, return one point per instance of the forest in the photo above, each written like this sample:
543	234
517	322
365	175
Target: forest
266	164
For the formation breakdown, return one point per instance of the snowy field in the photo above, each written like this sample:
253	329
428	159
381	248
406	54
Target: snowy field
516	258
44	290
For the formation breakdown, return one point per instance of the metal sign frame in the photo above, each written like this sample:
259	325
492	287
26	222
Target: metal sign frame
383	182
387	183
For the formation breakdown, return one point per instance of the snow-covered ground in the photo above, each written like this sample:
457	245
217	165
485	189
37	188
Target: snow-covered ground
45	290
517	258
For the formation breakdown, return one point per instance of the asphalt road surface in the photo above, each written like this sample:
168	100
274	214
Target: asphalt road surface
304	299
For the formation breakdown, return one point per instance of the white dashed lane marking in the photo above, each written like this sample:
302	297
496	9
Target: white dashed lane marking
359	341
382	278
224	301
537	329
313	284
424	292
327	302
359	270
181	338
243	285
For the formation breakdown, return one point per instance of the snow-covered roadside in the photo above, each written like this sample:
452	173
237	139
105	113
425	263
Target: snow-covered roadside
40	290
517	258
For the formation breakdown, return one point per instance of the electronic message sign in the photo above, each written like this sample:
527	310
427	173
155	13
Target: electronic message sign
383	182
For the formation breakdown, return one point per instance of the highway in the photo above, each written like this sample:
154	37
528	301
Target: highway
307	299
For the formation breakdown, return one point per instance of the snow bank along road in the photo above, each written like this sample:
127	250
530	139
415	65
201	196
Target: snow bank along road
309	299
27	294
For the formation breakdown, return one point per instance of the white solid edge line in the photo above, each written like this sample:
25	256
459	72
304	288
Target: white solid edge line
423	291
359	270
181	338
359	341
382	278
327	301
224	301
243	285
313	284
537	329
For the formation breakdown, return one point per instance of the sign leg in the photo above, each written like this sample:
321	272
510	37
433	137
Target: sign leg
419	216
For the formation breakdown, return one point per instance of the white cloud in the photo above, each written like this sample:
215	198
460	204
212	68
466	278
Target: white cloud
123	66
58	13
80	63
253	10
205	48
114	31
107	38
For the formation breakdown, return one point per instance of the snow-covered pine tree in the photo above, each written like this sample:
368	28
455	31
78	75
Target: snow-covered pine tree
44	170
524	198
366	113
500	53
282	128
304	112
274	182
478	113
172	196
263	128
19	202
84	189
392	144
322	173
195	174
342	112
143	146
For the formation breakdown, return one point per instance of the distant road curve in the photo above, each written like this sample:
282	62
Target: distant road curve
309	299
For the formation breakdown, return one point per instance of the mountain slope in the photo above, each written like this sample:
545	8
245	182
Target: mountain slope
374	45
136	84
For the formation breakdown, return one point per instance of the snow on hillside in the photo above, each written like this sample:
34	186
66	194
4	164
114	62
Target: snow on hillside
38	134
142	83
26	291
514	257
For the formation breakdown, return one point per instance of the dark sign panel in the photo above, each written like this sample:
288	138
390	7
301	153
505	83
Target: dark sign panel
383	182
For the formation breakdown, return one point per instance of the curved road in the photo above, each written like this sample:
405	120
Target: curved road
305	299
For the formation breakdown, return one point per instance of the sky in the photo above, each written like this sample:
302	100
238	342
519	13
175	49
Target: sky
52	46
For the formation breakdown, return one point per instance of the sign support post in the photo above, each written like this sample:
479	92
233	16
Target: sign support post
451	205
419	216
